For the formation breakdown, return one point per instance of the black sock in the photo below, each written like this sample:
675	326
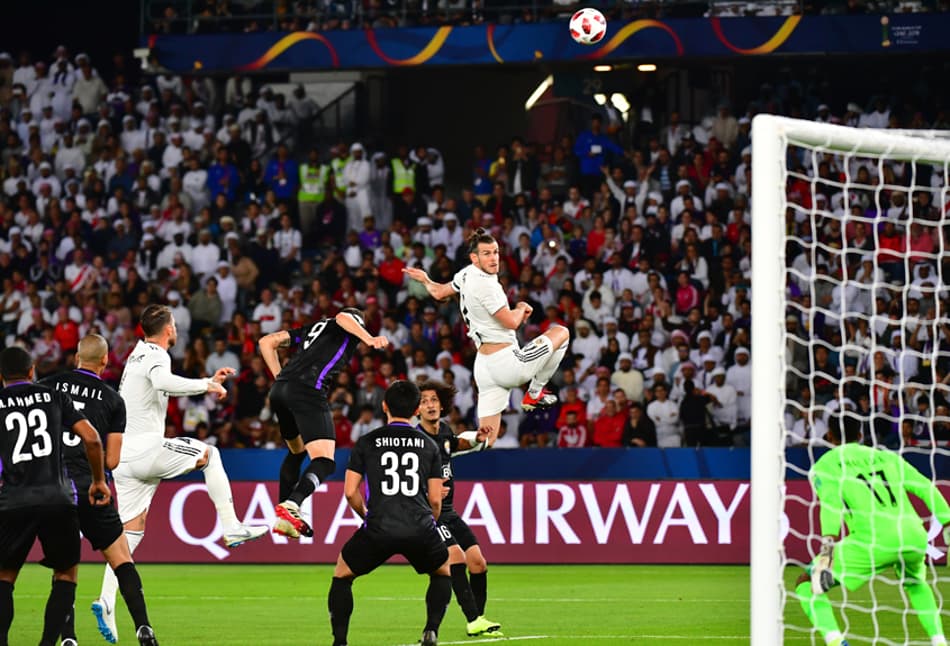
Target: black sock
130	585
60	602
69	627
438	597
319	470
479	583
463	592
6	610
340	604
290	473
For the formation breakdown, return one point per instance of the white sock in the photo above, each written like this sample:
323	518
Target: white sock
938	640
547	371
219	489
834	637
110	584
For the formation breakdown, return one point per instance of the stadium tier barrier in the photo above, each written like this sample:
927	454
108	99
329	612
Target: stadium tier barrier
525	506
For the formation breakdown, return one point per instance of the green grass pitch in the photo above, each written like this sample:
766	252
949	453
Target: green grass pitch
258	605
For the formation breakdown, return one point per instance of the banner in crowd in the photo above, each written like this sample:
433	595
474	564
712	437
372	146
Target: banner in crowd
491	44
515	522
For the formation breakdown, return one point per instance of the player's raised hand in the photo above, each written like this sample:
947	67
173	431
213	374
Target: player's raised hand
216	388
99	494
378	342
221	375
416	274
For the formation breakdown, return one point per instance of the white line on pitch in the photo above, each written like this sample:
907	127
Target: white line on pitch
491	639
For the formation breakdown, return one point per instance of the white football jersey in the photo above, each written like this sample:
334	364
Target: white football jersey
480	296
146	383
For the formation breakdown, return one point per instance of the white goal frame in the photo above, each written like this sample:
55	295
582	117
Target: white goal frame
770	137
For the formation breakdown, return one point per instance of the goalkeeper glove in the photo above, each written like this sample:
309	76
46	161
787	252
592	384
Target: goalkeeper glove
821	578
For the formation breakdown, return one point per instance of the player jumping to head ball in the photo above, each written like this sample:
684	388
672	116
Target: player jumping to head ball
500	364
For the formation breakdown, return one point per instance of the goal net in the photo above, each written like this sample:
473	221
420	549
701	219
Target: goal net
850	316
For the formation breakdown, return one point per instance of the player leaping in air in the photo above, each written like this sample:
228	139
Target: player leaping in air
500	364
299	399
867	489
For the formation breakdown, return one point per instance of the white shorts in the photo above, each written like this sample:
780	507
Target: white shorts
496	374
137	480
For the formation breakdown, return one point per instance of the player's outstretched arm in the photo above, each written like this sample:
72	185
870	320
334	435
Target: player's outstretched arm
351	325
165	381
268	345
99	493
438	291
353	491
435	496
918	484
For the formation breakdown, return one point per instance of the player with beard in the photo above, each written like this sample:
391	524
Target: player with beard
148	457
436	398
500	364
100	524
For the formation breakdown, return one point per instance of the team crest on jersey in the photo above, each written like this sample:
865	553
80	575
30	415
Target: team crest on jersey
448	447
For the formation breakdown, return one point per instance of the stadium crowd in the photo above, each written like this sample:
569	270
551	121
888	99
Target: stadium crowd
116	196
211	16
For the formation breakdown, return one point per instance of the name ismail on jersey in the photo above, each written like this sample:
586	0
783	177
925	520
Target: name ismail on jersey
25	401
395	442
78	390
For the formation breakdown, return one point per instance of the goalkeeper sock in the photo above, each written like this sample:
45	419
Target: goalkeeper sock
290	473
319	470
340	605
922	600
819	611
463	592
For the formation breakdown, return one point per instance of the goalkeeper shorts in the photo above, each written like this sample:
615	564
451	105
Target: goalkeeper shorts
854	562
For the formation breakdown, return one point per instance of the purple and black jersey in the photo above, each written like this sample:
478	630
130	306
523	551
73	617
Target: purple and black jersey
324	349
396	462
448	443
100	404
33	418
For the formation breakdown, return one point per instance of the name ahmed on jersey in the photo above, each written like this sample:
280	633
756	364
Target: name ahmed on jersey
25	401
79	390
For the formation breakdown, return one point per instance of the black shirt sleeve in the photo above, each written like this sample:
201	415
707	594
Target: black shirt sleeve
433	463
297	335
117	424
357	463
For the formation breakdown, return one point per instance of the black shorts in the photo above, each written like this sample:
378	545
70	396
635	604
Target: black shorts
365	552
100	525
302	412
57	527
461	532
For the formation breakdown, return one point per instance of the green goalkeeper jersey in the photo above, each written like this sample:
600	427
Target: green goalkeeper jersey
867	489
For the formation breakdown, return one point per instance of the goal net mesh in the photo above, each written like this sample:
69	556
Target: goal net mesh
866	334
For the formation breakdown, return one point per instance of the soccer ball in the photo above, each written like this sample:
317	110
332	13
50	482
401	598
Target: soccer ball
588	26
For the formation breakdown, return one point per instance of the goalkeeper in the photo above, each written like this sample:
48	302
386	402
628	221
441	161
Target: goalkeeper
867	489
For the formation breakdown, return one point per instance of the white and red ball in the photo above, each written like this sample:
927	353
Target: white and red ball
588	26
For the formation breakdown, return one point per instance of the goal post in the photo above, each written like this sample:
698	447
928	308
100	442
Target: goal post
771	138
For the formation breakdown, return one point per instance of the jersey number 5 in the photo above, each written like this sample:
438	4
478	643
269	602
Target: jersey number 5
405	481
33	422
70	438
